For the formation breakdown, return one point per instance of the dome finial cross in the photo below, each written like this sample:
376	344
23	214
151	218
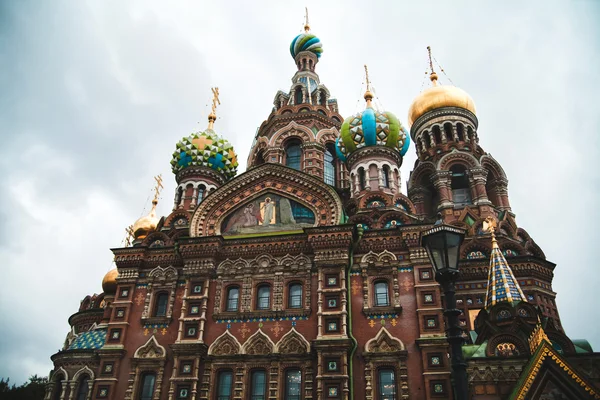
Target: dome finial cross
212	117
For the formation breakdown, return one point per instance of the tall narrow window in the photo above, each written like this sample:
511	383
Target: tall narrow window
293	384
161	305
224	385
201	190
293	155
263	299
381	294
329	172
258	385
362	178
58	387
387	384
83	388
147	388
295	296
233	297
386	176
461	192
298	96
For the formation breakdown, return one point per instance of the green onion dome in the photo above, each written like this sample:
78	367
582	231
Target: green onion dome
205	149
372	128
306	42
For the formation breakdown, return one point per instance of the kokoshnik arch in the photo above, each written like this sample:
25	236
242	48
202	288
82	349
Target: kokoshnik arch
304	278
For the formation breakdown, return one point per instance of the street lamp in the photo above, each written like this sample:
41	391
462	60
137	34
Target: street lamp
442	243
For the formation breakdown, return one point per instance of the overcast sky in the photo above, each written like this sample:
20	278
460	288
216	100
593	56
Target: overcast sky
95	94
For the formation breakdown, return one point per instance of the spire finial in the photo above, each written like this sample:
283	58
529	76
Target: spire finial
489	225
306	24
212	117
433	76
368	93
128	236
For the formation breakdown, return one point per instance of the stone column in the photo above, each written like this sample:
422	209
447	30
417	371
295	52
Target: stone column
477	179
423	145
194	197
380	177
417	196
441	182
432	139
455	133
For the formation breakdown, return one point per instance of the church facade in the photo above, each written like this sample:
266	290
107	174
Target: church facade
304	277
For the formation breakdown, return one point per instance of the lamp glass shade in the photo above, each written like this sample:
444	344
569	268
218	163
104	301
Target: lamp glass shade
443	246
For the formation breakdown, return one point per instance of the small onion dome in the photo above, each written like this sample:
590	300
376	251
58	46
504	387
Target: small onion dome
371	128
146	224
109	282
205	149
306	42
438	96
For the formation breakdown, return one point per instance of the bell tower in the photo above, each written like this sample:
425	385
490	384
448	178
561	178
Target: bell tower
452	171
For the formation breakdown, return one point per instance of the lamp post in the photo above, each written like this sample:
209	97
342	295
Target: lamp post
442	243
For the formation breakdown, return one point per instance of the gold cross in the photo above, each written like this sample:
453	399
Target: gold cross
306	24
368	82
128	235
215	100
430	59
158	186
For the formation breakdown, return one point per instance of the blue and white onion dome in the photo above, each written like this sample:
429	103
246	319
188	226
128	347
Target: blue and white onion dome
205	149
371	128
306	42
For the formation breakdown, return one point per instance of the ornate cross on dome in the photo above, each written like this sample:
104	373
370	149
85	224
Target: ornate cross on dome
158	187
306	24
128	236
368	93
212	117
433	76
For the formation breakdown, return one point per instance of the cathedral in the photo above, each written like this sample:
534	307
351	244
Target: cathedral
304	277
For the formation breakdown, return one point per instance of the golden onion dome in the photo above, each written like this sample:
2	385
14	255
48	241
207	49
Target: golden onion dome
146	224
438	96
109	282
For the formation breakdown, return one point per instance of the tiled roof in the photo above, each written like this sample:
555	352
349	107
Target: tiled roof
502	285
89	340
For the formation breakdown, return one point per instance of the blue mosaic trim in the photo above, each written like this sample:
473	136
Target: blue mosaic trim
181	283
89	340
156	326
382	316
405	269
228	321
354	273
141	285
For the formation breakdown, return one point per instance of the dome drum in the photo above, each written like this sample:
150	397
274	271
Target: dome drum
442	116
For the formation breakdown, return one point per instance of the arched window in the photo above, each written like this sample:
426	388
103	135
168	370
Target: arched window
160	309
386	384
448	132
381	294
386	176
293	155
461	192
179	195
329	159
295	295
58	387
258	385
83	388
362	178
224	385
263	297
437	133
460	131
147	386
293	384
233	297
260	159
298	96
201	190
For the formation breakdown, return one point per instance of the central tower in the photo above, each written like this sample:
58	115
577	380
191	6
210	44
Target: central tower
301	129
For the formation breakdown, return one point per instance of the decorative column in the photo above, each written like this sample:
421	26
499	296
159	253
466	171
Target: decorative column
423	145
432	139
455	133
477	179
380	177
194	197
441	182
417	196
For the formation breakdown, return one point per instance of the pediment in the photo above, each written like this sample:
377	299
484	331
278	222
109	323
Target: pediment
268	198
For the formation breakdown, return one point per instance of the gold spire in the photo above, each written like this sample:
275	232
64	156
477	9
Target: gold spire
212	117
433	76
306	24
368	93
148	223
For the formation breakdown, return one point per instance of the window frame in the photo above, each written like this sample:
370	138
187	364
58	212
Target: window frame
380	395
160	295
260	287
252	387
220	375
385	283
297	159
287	386
80	384
228	299
142	384
329	179
290	296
